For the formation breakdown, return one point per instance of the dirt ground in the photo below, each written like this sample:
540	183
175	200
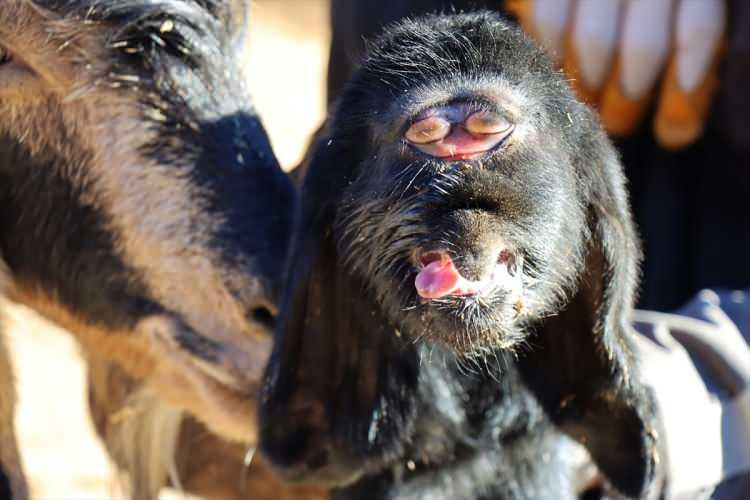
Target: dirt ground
61	454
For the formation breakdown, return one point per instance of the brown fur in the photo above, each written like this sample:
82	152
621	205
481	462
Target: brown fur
109	131
161	224
158	445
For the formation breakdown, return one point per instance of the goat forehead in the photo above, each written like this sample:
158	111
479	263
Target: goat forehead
104	38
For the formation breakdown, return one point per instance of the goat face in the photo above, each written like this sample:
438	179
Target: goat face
463	204
143	208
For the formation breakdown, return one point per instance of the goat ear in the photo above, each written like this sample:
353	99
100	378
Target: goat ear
582	368
334	357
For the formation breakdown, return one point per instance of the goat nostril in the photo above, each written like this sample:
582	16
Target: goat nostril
512	262
263	316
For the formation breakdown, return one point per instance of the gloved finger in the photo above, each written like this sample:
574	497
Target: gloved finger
591	43
550	18
692	73
522	9
644	45
700	26
643	49
544	21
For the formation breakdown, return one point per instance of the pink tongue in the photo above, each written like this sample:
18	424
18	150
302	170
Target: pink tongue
437	279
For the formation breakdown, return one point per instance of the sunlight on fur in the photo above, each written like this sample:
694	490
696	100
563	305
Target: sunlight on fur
60	451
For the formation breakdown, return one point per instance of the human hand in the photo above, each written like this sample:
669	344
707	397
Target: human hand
624	54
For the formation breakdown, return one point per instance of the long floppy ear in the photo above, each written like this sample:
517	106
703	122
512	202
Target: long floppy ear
335	363
581	366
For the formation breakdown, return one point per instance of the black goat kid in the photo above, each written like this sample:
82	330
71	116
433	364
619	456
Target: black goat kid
460	282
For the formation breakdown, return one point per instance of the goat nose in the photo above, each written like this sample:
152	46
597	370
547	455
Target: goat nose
263	315
286	442
300	453
261	309
259	301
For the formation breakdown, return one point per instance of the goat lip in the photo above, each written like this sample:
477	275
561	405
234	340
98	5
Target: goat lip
328	477
314	478
219	374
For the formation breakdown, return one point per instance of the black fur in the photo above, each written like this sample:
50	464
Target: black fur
5	490
366	381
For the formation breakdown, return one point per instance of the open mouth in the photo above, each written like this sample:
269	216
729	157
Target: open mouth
439	278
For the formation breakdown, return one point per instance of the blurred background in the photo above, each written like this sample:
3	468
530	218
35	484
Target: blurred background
288	48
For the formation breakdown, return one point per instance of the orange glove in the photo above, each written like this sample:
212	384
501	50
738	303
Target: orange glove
616	50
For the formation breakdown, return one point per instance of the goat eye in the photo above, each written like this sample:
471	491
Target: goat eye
427	130
488	123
